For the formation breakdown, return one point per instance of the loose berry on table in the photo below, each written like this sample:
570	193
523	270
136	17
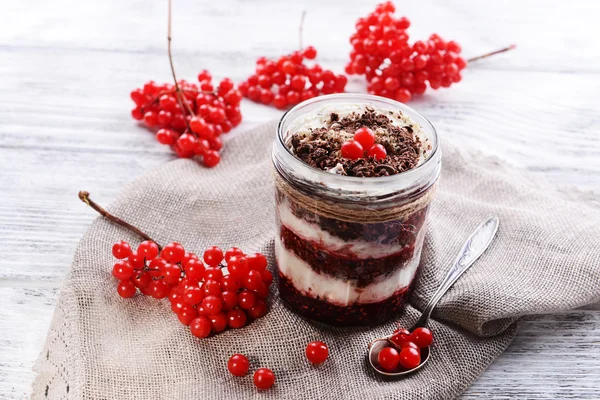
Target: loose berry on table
317	352
238	365
264	378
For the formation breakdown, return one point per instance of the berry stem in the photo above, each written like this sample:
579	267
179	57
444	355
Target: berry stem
85	197
178	93
301	29
486	55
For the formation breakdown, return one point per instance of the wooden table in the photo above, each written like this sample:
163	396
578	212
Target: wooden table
67	68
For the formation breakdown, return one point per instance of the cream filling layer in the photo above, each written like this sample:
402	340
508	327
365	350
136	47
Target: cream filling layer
338	291
358	249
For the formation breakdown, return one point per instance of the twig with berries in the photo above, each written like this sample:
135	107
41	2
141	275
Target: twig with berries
191	117
225	290
396	69
288	81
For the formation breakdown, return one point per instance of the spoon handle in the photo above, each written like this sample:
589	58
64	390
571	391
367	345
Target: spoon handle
473	248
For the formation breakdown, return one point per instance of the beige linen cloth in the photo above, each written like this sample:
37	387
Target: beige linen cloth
545	258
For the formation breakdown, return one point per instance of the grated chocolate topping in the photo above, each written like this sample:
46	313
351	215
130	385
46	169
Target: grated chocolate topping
320	147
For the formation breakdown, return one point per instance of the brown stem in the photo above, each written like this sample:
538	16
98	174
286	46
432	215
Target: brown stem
85	197
301	27
511	47
178	93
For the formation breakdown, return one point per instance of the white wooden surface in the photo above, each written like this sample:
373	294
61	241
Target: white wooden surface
67	66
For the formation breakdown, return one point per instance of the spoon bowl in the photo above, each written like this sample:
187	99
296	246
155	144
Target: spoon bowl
379	344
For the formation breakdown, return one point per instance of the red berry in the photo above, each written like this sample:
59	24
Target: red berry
171	273
236	318
310	52
257	262
213	273
265	81
264	378
278	78
288	67
238	365
409	358
194	269
229	300
253	280
365	136
212	304
298	82
280	102
388	358
173	252
234	251
186	314
267	276
229	282
293	97
238	266
204	75
213	256
121	250
262	291
266	96
378	152
158	289
141	281
126	289
200	327
148	249
187	257
218	322
225	86
258	310
352	150
317	352
212	287
422	337
193	295
122	270
402	95
233	97
211	158
166	136
246	300
151	118
136	113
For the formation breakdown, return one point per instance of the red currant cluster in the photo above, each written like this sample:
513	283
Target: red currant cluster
191	117
202	296
288	81
406	349
364	138
392	66
238	365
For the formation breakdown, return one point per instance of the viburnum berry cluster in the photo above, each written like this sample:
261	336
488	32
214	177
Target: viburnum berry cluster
393	67
288	81
204	297
209	295
406	348
363	144
190	117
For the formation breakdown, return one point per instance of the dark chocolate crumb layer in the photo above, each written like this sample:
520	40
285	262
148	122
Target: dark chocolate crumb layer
321	147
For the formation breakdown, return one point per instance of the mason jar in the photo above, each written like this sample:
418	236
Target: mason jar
348	248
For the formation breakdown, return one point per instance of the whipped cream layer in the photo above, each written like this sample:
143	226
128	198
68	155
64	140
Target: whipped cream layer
357	249
337	291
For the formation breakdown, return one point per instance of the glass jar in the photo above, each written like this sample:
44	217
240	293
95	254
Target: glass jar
348	248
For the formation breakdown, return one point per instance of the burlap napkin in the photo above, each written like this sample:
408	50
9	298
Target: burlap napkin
100	346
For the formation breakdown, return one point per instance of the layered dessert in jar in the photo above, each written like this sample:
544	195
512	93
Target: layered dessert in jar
354	178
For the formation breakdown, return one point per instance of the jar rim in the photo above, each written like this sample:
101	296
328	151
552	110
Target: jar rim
432	135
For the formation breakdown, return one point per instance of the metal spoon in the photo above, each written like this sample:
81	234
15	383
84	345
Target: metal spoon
474	247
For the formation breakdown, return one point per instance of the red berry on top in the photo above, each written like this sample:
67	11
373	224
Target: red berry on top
264	378
378	152
257	261
121	250
365	136
204	75
352	149
238	365
317	352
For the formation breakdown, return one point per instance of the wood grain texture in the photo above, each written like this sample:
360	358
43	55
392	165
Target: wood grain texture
66	68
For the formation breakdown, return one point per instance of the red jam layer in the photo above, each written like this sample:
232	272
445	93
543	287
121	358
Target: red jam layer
352	315
361	272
